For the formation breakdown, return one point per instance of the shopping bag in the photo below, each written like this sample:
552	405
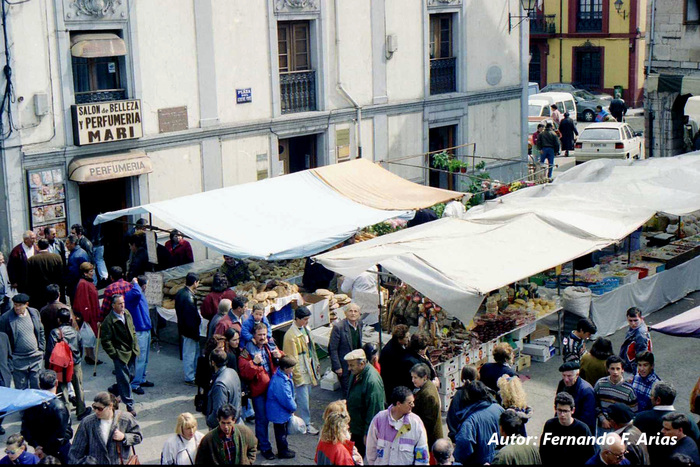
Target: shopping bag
296	426
89	339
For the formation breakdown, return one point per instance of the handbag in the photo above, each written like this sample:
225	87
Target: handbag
133	458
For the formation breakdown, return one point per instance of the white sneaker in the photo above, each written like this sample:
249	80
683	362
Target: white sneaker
310	429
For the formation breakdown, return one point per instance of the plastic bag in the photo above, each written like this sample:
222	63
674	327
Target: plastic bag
89	339
296	426
577	300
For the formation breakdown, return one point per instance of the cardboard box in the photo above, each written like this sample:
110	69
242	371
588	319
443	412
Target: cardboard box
541	331
524	361
535	350
546	357
318	306
448	367
548	341
523	332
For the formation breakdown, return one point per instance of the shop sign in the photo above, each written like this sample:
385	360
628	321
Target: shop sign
244	95
104	122
95	169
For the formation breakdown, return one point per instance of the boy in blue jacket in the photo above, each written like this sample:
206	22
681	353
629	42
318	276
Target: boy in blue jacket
257	316
281	404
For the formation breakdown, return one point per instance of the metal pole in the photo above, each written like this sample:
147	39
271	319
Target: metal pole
629	250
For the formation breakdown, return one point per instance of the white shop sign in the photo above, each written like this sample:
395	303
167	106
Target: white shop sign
104	122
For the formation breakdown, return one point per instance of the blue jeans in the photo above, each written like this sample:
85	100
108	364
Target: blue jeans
302	399
548	155
100	265
261	423
144	340
190	354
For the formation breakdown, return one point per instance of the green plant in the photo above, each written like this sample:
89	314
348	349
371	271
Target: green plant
439	209
480	166
455	165
380	229
441	160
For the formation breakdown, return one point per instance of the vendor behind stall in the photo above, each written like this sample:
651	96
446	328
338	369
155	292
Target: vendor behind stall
235	271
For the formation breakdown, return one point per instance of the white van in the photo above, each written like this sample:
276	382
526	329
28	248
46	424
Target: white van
538	104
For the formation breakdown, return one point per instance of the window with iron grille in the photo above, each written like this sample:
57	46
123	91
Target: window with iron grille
442	60
589	17
297	77
589	68
97	79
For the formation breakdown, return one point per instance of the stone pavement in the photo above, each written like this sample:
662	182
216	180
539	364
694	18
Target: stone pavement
159	407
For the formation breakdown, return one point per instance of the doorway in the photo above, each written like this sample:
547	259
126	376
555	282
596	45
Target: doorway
100	197
441	138
298	153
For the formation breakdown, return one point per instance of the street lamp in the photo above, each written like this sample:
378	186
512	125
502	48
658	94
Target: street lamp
618	6
528	6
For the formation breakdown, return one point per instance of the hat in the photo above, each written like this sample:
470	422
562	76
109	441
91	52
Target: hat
569	366
620	413
302	312
21	298
370	350
357	354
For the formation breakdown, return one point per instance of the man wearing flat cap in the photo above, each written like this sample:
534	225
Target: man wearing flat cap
27	341
581	391
299	344
365	397
621	417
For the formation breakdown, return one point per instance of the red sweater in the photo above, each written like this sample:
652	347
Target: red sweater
334	453
255	375
181	253
210	304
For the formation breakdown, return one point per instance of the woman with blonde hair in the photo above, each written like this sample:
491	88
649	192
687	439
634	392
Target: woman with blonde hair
335	447
181	448
513	398
339	406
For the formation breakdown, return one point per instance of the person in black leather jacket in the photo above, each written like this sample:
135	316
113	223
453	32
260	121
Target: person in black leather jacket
47	427
188	321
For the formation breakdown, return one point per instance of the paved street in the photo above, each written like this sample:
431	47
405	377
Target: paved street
159	407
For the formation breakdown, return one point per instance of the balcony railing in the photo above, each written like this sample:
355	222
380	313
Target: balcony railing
443	76
543	24
594	24
298	91
104	95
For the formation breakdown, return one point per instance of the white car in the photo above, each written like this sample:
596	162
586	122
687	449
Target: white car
609	140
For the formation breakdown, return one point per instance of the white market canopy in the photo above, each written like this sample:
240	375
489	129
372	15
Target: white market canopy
456	261
294	215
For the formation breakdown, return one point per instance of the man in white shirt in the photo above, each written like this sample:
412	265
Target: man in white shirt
365	282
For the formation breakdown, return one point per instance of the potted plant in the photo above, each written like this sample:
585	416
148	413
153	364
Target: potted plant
455	165
441	160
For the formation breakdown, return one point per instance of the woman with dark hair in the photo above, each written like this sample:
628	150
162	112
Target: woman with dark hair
233	347
372	356
593	362
180	249
219	290
460	401
427	402
416	353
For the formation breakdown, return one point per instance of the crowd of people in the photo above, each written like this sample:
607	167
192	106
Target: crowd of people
389	410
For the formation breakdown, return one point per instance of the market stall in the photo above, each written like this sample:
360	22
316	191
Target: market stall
279	221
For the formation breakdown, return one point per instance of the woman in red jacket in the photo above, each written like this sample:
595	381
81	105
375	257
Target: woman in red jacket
335	447
87	305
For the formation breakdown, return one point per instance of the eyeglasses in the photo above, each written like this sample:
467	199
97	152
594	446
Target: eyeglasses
618	456
11	451
98	408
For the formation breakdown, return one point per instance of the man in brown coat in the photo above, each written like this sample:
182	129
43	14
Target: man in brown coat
228	443
17	263
43	269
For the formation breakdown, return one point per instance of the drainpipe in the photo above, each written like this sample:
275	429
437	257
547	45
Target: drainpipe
651	42
340	87
561	41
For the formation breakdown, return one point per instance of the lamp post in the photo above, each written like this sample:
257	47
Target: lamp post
618	6
528	6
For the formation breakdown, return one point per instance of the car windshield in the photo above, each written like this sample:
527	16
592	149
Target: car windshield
600	134
534	110
585	95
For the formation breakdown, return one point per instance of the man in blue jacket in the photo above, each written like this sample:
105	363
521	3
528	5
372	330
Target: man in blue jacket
581	391
76	257
136	303
281	404
480	423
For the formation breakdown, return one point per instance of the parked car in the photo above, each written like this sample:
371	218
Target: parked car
571	87
538	104
586	104
609	140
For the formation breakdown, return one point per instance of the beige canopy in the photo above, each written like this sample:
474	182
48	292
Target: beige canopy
367	183
97	45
